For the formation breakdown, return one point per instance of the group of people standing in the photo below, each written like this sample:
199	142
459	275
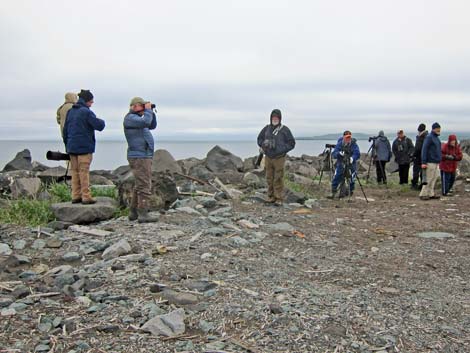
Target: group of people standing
78	125
427	155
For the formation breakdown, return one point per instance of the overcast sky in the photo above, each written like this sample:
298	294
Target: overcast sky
218	68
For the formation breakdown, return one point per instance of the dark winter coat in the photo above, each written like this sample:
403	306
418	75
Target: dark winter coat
403	150
139	138
419	146
279	144
383	150
351	150
451	155
431	152
79	129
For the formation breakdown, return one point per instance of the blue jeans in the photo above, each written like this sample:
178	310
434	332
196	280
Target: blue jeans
339	172
447	180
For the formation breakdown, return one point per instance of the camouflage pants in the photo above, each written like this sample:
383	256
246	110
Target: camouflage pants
142	170
275	177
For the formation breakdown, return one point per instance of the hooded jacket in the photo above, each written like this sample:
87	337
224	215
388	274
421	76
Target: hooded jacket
351	150
281	137
450	165
79	129
403	150
137	130
383	149
419	146
70	100
432	150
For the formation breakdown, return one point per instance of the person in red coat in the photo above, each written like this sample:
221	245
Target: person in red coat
451	155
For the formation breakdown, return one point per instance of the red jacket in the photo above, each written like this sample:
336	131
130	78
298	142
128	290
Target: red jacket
450	165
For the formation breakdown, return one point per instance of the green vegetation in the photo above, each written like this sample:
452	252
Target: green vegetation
32	212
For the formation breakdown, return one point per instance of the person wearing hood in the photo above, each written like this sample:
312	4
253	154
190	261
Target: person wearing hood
431	156
80	143
275	141
403	150
383	154
346	152
70	100
451	155
417	172
137	125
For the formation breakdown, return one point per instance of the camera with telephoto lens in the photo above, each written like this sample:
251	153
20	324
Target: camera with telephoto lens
329	145
373	138
269	144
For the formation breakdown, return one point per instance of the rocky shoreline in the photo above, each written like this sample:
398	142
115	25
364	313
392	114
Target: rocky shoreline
222	272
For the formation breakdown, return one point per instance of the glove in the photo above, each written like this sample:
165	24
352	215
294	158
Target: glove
351	160
341	153
450	157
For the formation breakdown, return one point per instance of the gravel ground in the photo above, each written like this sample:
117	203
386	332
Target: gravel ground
339	277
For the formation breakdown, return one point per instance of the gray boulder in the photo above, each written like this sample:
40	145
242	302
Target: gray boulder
82	214
39	167
22	161
164	162
252	180
164	191
25	187
8	178
169	325
302	168
464	164
54	174
201	172
188	163
465	146
120	248
100	180
219	160
122	172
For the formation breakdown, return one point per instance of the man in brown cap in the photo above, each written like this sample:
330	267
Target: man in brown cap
70	99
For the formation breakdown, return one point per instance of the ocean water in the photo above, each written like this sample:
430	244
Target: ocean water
112	154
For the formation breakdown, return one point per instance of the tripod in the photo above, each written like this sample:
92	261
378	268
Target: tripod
373	154
327	162
348	176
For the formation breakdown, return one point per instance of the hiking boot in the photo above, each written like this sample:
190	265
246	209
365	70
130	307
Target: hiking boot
270	200
424	198
77	201
88	202
144	217
133	214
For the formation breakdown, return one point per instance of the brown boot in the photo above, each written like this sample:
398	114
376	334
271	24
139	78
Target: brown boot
133	214
89	202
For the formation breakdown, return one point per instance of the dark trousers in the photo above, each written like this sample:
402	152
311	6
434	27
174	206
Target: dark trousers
447	180
339	176
417	174
381	173
403	171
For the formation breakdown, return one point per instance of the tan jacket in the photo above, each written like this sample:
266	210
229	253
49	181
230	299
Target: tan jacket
70	99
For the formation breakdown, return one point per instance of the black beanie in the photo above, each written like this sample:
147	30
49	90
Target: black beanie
86	95
436	126
421	127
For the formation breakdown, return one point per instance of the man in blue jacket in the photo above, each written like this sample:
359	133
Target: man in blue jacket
275	141
79	139
137	125
431	156
346	153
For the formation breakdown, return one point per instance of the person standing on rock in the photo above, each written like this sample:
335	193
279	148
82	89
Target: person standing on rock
383	154
275	141
137	125
417	172
80	143
431	156
346	153
451	155
403	150
70	100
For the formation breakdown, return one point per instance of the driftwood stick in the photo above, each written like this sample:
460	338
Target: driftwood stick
200	181
223	187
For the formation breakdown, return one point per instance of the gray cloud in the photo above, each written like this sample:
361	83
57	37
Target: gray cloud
217	68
